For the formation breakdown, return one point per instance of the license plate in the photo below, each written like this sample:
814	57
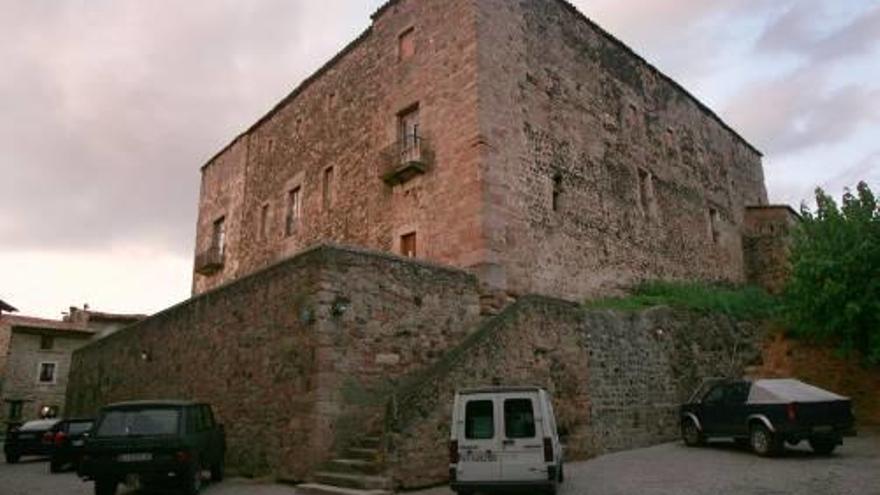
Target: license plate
77	443
823	429
135	457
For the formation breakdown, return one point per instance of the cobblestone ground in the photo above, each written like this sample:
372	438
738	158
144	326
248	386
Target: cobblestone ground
669	469
722	469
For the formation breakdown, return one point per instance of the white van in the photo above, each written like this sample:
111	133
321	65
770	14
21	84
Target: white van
504	437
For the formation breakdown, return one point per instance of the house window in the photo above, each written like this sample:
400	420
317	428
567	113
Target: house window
406	46
327	190
47	372
218	237
557	192
646	193
294	210
714	225
14	411
46	342
408	245
264	221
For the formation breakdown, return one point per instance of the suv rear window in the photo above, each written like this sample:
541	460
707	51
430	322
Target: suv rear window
125	422
519	418
479	420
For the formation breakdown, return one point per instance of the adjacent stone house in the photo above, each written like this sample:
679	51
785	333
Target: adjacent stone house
35	358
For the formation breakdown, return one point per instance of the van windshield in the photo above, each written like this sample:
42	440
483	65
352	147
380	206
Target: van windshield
519	418
138	422
479	422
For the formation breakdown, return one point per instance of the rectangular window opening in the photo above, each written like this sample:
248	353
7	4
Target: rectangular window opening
264	221
294	210
328	188
646	192
406	46
47	342
519	418
218	237
15	407
47	372
479	420
408	245
714	225
557	192
409	136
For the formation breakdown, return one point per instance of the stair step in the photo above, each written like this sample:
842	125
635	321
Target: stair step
363	453
354	466
370	442
319	489
360	481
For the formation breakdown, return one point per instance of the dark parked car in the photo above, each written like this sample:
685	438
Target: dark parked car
27	439
154	443
66	442
766	414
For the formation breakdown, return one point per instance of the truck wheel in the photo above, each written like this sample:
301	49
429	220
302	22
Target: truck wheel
691	435
105	486
823	446
217	471
763	441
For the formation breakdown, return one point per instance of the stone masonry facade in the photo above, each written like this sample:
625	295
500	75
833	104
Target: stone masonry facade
514	139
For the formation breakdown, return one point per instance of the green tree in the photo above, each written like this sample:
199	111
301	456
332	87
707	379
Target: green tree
834	291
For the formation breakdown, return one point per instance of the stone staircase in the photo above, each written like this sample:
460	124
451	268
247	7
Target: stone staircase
358	472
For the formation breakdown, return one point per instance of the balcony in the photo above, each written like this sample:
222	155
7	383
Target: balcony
405	160
210	261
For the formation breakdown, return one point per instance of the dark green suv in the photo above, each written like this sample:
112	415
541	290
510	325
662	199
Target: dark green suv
154	444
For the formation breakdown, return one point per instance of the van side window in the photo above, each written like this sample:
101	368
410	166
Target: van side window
519	418
479	420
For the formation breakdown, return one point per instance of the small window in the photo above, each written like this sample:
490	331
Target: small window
294	210
47	342
327	190
47	372
519	418
556	202
737	393
15	407
264	221
715	395
714	225
646	192
408	128
218	237
408	245
479	420
406	46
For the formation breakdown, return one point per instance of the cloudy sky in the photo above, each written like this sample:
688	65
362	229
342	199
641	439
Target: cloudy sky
109	107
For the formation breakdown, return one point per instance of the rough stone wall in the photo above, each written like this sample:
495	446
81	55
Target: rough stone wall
22	372
638	163
767	245
345	117
288	355
616	379
4	348
824	367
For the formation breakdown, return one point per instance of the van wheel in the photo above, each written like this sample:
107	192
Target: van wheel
105	486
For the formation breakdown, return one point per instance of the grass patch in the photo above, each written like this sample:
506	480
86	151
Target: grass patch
744	303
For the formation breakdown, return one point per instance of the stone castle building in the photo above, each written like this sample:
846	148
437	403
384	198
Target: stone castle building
508	145
515	139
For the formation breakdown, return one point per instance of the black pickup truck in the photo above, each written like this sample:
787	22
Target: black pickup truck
766	414
154	444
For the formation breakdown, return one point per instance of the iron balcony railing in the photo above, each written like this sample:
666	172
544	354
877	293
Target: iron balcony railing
210	261
405	159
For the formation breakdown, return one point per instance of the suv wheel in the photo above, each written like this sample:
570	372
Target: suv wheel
105	486
763	441
217	471
193	483
691	435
